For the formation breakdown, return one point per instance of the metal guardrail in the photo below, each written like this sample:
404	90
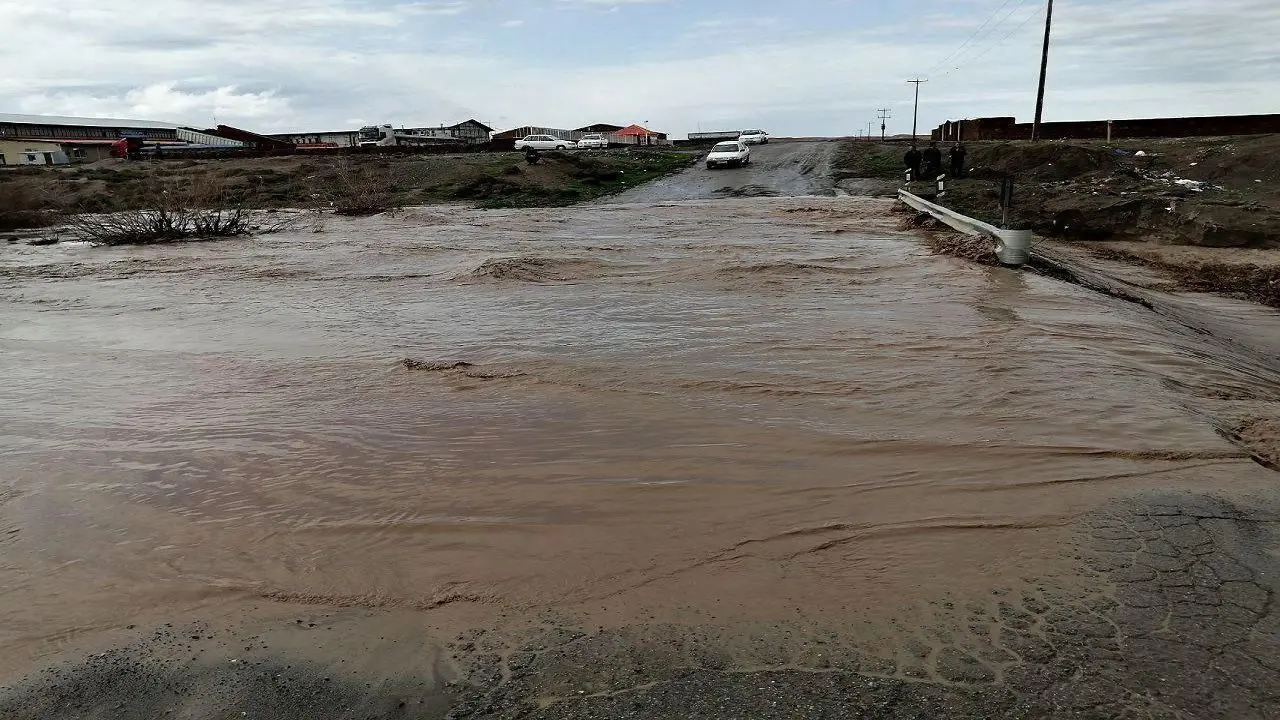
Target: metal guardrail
1012	247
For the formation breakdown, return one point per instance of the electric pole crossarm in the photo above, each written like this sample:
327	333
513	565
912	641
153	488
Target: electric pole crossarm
884	114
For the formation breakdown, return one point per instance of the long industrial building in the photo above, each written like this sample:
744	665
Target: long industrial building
55	139
469	132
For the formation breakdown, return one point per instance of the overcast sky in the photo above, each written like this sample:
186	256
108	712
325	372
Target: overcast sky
799	67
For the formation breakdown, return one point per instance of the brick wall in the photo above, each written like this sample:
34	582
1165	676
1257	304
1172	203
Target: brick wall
1007	128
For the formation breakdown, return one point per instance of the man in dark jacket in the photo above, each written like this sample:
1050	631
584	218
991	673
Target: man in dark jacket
912	161
932	157
957	160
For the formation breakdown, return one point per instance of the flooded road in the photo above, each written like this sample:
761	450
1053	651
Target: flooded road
731	413
781	168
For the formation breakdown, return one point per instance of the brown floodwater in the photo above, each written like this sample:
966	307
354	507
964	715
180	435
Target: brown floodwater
742	409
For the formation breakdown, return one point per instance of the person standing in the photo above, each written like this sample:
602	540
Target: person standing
932	157
957	160
912	161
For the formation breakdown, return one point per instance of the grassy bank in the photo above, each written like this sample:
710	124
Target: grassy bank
357	184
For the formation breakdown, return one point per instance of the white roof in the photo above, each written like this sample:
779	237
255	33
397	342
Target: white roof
84	122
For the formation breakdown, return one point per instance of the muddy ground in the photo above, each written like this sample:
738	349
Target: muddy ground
1170	615
740	457
31	197
1136	200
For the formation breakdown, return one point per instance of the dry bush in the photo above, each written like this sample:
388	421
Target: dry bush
355	190
173	211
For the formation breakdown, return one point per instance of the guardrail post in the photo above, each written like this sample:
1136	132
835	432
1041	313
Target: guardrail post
1012	247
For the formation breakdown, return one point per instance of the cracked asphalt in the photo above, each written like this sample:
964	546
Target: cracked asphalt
1173	617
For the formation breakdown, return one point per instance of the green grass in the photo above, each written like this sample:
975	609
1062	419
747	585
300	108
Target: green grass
592	177
499	180
882	165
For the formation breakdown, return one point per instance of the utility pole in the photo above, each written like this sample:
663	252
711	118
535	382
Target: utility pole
1044	71
871	129
915	116
884	114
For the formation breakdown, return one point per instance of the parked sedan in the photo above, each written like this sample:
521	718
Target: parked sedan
544	142
729	154
753	137
594	140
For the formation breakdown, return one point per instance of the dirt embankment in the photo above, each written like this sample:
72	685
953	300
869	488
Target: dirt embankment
28	196
1221	195
1215	192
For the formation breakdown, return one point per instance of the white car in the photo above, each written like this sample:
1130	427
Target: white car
753	137
544	142
729	154
594	140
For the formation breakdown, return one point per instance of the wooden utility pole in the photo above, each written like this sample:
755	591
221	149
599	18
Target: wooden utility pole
915	116
1044	72
884	114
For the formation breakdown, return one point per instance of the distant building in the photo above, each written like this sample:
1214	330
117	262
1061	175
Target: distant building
55	139
244	138
637	135
527	130
608	130
31	152
506	139
471	132
317	140
714	135
601	128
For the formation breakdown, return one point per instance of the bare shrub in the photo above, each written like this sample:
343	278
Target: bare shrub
355	190
173	210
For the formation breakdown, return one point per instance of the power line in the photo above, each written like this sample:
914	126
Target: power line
996	44
971	38
961	59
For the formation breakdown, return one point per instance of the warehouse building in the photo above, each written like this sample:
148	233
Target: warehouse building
508	137
470	132
55	139
320	140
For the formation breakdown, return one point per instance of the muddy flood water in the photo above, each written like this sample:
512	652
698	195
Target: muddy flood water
537	461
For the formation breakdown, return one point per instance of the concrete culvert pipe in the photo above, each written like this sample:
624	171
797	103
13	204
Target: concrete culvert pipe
1013	247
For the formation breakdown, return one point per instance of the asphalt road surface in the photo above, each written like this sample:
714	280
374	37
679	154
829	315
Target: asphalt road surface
781	168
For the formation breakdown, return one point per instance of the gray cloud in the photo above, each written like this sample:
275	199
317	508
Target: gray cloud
300	64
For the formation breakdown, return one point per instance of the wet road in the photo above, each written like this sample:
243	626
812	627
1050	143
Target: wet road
777	424
780	168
